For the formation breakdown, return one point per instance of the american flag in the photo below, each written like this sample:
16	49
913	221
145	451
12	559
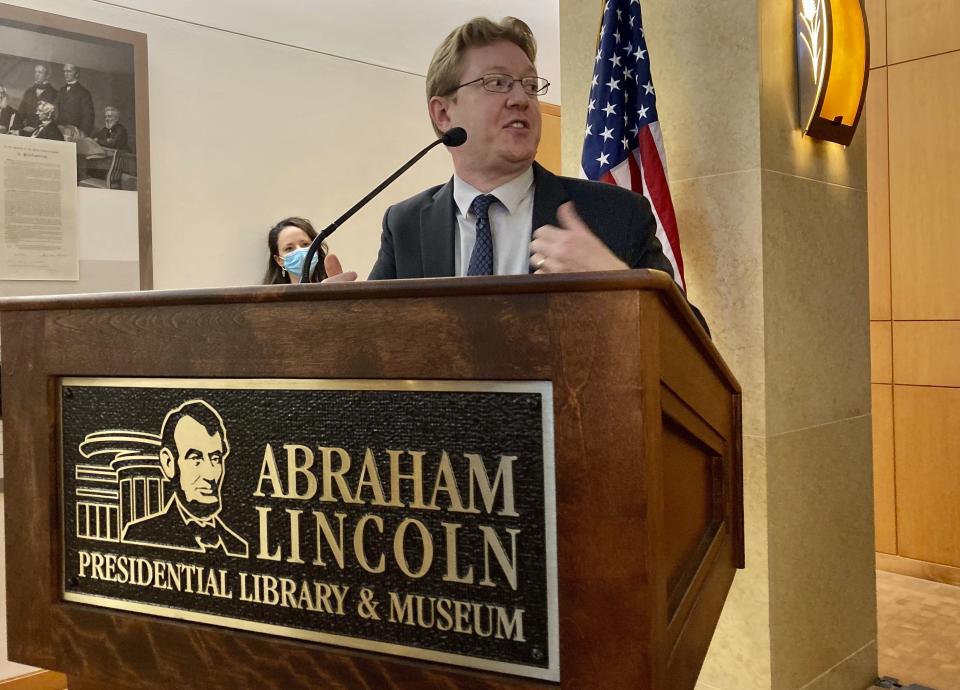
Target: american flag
623	144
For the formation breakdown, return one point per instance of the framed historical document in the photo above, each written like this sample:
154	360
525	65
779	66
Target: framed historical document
70	80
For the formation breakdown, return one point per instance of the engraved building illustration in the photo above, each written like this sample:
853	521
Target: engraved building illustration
122	483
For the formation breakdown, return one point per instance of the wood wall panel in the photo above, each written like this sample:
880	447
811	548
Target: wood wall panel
884	487
548	154
881	356
924	149
927	466
922	569
878	196
913	163
927	353
918	28
877	26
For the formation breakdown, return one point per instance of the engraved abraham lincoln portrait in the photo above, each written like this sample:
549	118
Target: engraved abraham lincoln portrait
186	461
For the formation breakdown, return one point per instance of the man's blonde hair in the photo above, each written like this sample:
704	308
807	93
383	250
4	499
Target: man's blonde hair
446	67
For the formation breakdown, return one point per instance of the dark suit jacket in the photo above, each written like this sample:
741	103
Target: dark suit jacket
419	233
28	104
48	131
168	530
75	107
10	119
114	137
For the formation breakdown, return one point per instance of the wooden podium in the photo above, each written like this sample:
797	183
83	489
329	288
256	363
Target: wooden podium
648	476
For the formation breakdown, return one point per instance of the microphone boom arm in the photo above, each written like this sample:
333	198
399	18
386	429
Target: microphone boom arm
327	231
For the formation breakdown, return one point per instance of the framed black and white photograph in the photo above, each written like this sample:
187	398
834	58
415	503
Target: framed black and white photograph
86	83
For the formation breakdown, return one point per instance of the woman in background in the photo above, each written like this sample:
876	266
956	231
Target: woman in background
288	242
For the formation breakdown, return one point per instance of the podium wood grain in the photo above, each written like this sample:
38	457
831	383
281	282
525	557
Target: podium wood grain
648	463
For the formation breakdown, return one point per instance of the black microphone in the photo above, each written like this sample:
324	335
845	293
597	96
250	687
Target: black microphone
452	138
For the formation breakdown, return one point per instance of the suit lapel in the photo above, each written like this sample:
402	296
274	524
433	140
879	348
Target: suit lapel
548	195
438	223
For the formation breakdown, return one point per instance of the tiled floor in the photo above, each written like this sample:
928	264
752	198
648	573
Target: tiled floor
918	631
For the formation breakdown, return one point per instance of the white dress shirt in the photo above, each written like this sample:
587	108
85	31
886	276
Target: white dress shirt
511	225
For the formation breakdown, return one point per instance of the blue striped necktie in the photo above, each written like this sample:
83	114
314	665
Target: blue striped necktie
481	261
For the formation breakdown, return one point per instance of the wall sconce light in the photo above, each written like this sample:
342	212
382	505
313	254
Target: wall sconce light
833	62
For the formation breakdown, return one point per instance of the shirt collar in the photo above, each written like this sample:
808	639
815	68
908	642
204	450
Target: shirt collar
188	517
510	194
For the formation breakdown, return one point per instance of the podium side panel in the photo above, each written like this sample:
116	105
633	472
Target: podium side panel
701	537
30	493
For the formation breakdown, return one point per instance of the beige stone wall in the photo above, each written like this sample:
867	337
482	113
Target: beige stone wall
773	230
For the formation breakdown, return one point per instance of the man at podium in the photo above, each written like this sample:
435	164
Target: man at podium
502	213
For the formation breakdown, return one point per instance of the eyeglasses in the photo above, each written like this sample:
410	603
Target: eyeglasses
502	83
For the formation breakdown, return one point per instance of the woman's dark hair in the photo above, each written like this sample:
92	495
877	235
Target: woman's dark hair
274	274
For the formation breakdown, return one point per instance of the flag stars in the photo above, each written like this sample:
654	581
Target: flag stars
623	47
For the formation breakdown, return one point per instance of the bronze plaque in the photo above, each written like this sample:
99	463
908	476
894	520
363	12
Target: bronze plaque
414	518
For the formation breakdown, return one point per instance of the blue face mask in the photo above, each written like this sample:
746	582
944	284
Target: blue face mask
293	262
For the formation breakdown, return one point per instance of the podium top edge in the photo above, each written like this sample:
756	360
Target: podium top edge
649	280
638	279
